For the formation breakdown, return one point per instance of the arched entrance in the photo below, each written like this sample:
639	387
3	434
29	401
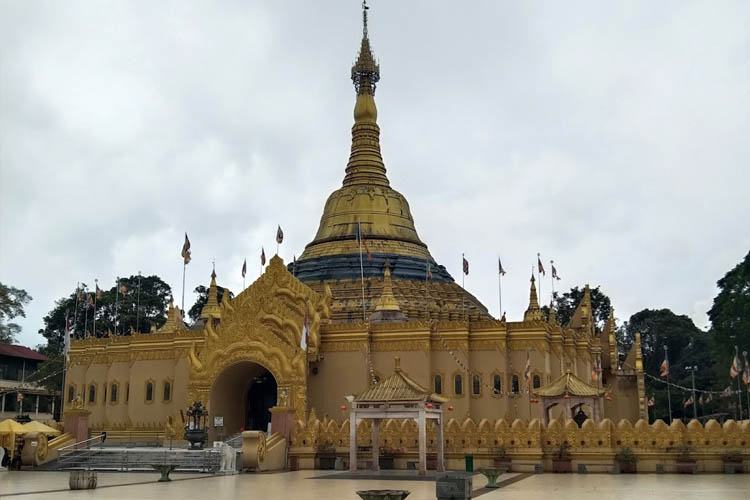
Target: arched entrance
242	395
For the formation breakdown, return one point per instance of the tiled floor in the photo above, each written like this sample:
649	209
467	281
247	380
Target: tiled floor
303	485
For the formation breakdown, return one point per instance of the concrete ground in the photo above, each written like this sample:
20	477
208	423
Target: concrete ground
303	485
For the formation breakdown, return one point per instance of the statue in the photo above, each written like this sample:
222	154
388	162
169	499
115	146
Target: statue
78	402
228	461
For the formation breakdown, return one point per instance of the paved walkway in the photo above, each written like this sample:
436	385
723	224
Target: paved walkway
302	485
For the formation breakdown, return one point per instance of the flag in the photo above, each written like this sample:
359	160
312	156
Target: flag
305	332
736	367
746	374
361	241
651	401
91	299
726	392
466	266
79	295
123	289
66	348
554	271
98	293
527	371
262	256
708	398
594	375
429	270
540	266
186	250
279	235
500	267
244	268
688	402
664	370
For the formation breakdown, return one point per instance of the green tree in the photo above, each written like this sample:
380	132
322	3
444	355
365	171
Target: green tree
202	291
730	316
687	345
139	311
12	300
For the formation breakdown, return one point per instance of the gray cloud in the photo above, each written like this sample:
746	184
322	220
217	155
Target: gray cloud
611	138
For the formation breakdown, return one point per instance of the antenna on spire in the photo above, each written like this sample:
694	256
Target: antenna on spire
365	8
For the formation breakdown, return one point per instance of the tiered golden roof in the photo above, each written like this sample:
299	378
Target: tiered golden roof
569	384
398	387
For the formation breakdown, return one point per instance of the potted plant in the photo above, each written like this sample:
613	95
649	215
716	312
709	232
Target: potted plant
501	459
685	463
626	459
387	457
732	461
561	461
326	455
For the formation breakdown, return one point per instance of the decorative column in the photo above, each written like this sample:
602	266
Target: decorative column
375	444
422	442
440	446
282	421
353	440
76	423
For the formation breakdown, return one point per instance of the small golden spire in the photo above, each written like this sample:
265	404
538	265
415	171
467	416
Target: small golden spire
212	309
397	364
387	301
533	313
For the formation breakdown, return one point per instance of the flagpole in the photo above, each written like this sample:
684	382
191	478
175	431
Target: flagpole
117	300
96	292
552	280
184	267
361	270
86	317
500	293
75	312
669	397
463	285
138	305
747	384
739	387
539	274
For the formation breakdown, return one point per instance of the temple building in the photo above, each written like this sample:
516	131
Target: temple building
366	290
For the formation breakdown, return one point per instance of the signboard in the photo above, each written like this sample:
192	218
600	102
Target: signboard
218	421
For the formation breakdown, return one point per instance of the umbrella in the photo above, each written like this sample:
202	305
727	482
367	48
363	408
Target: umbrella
11	426
36	426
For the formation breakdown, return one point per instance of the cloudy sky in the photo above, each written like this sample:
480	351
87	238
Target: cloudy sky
610	137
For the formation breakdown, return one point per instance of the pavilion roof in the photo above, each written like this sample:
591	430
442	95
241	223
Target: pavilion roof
569	384
398	387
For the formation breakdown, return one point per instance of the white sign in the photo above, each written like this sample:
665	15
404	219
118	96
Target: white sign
218	421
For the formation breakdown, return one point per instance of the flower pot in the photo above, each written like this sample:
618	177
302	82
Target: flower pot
732	466
383	494
562	465
386	463
501	463
431	462
82	480
685	466
626	467
327	462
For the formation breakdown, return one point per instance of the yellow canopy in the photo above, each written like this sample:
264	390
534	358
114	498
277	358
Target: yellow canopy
11	426
35	426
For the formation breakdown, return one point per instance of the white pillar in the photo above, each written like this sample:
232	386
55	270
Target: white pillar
422	443
440	450
375	444
2	405
53	407
353	440
36	408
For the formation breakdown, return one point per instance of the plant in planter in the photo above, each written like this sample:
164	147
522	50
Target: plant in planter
626	460
501	459
561	461
387	456
326	455
732	461
685	463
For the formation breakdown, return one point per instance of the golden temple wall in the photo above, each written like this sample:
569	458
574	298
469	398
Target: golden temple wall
652	444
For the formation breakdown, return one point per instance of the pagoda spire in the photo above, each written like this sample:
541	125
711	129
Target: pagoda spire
533	313
212	309
365	161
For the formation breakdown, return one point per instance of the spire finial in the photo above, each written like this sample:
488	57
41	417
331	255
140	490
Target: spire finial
365	8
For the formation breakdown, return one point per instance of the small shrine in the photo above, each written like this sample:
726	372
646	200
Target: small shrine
572	393
397	397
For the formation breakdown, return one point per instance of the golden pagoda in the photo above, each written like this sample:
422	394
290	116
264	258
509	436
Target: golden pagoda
304	336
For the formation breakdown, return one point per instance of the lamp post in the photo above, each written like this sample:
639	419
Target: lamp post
695	401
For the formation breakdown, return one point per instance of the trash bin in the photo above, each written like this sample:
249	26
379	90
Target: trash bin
469	461
294	462
454	486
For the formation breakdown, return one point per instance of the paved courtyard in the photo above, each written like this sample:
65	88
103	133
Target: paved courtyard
310	485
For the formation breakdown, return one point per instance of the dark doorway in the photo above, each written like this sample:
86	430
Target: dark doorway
261	396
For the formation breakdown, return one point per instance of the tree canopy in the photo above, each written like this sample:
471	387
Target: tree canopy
730	316
686	345
139	311
566	304
12	301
